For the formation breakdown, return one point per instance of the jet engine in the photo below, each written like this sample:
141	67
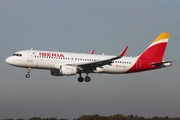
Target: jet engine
64	71
99	69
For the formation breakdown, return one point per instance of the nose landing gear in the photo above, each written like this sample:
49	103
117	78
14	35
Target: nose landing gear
28	73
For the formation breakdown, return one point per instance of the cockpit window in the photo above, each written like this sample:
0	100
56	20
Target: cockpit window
20	55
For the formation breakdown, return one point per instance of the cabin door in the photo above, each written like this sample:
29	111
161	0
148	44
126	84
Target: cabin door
138	63
30	56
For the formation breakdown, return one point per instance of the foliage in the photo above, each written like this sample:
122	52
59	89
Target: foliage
98	117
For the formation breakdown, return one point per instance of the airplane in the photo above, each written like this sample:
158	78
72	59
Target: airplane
67	64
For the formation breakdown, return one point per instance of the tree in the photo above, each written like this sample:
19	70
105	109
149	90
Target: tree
35	118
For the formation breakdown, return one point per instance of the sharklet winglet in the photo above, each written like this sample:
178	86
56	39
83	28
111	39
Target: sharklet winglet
123	52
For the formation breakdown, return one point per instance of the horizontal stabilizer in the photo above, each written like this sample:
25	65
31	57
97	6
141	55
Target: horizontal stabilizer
162	64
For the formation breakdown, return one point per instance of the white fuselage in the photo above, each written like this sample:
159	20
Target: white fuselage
52	60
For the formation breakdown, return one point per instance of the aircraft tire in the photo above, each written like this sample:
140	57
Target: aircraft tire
27	76
87	79
80	79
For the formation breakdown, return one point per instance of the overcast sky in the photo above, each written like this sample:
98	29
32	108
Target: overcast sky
80	26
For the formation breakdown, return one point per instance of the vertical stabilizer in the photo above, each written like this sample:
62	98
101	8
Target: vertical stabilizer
156	50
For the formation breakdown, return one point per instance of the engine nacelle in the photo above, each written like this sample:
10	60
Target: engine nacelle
99	69
64	71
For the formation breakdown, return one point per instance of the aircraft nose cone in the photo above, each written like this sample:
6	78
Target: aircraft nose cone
9	60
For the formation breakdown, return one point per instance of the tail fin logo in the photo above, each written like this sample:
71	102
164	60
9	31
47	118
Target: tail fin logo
163	37
156	50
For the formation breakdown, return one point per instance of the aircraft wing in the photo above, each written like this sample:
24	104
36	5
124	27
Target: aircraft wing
92	52
94	64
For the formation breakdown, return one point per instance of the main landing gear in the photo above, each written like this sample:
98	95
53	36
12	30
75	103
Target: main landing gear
28	72
86	79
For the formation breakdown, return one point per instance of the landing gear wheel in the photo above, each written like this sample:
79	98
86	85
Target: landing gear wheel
80	79
87	79
28	72
27	75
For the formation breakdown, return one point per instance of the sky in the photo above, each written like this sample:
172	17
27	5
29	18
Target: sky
81	26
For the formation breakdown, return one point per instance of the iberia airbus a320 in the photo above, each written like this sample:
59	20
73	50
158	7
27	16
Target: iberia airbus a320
67	64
